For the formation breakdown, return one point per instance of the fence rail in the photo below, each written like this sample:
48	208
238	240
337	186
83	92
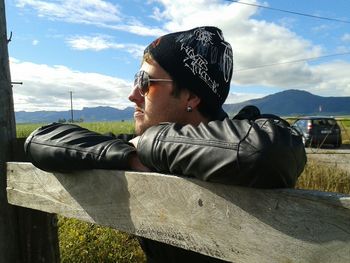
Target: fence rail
227	222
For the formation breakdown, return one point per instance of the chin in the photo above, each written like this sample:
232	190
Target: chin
139	128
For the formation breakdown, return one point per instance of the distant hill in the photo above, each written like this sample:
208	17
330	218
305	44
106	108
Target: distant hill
86	114
296	102
285	103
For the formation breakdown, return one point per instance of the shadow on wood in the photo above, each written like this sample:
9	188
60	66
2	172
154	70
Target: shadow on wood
227	222
38	231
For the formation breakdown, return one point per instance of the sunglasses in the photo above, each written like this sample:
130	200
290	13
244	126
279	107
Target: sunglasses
142	82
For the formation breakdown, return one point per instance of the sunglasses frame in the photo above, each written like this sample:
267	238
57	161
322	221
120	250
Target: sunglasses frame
142	82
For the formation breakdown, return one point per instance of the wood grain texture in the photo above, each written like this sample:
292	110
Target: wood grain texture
232	223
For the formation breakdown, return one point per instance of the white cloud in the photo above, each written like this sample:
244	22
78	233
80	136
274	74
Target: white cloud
323	28
35	42
255	43
92	43
92	12
178	16
346	38
236	97
97	43
75	11
335	79
48	87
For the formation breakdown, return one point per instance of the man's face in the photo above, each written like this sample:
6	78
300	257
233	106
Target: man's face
159	105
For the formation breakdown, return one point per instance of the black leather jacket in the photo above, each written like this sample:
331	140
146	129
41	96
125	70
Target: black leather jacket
261	152
264	153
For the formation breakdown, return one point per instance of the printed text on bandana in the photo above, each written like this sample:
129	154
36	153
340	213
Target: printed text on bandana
198	65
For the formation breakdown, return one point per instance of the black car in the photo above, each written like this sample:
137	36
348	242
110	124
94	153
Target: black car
318	131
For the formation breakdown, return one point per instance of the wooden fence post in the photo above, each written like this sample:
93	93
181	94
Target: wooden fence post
9	239
25	235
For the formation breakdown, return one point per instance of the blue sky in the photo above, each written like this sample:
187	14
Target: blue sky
94	47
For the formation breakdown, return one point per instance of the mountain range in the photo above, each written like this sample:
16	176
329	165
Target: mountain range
285	103
296	103
87	114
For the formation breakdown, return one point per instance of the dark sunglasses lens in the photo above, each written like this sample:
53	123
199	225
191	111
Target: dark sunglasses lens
136	79
143	82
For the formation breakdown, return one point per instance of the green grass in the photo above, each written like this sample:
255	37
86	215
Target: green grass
346	123
23	130
345	130
321	177
114	127
85	242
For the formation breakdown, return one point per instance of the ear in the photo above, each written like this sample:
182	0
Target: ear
193	100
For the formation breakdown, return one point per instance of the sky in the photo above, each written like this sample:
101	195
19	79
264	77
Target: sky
93	48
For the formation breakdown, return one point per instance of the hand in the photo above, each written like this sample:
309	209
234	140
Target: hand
135	164
135	141
134	161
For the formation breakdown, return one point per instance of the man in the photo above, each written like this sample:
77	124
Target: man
182	129
176	93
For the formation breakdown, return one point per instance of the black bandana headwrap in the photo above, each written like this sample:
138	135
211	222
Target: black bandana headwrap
199	60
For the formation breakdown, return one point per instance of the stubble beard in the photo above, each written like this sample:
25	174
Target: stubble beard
141	126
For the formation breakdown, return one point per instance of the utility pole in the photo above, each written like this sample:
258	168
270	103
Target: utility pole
71	106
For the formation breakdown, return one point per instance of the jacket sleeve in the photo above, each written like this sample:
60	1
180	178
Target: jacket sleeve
263	153
65	147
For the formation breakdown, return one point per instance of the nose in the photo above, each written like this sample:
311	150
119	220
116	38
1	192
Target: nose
135	96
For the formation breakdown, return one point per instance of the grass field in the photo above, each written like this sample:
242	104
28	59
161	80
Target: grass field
23	130
345	127
85	242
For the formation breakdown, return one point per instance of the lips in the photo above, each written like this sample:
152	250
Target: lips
138	112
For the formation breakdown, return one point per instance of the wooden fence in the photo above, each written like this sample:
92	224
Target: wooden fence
227	222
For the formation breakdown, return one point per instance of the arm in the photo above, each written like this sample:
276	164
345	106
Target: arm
261	153
65	147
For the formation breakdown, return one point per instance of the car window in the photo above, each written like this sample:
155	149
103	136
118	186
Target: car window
324	122
297	123
318	122
301	123
331	122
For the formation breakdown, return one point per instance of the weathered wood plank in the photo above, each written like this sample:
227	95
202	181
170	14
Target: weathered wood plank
227	222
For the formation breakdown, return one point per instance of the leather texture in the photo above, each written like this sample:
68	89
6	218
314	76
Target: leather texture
66	147
263	153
